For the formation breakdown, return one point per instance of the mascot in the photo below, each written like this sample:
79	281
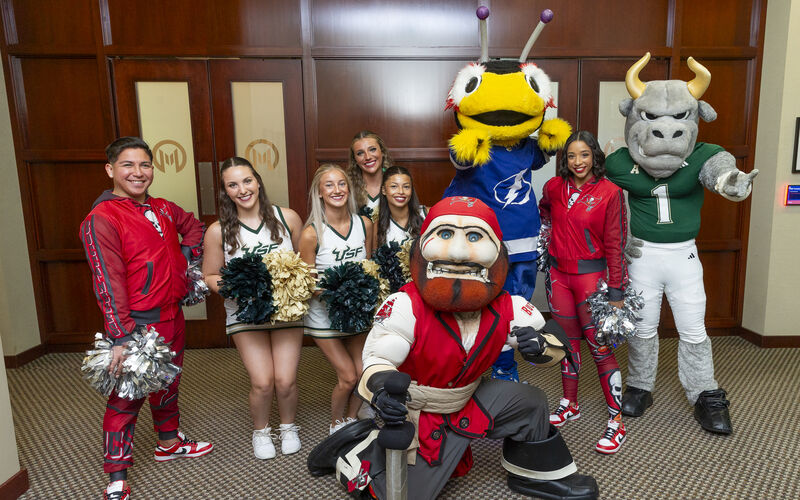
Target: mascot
498	104
664	171
442	331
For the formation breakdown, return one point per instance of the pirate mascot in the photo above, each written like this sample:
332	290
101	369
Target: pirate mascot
442	331
664	170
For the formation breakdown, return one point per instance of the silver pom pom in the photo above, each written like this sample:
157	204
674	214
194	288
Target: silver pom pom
614	324
146	368
542	244
198	290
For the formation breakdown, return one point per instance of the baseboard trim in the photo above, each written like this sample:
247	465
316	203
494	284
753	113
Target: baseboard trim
16	485
769	341
20	359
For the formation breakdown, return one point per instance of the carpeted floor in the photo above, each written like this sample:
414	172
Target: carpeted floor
57	419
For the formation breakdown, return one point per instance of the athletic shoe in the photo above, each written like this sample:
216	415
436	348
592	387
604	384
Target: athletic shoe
117	490
290	441
263	448
711	410
613	438
341	423
565	412
183	448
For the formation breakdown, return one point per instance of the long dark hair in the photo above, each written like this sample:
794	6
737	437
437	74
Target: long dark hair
384	213
598	157
354	171
229	217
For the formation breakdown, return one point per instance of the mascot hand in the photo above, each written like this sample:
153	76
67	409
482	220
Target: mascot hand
389	409
633	249
471	146
553	134
737	185
531	342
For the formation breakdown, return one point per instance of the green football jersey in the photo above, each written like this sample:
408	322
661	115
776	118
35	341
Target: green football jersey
662	210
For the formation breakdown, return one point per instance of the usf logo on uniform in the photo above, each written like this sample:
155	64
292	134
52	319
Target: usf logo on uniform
342	254
260	249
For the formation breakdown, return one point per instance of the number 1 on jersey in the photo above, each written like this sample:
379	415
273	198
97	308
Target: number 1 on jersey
661	193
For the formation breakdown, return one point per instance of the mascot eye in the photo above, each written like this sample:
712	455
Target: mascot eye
681	116
533	84
445	234
648	116
473	237
472	84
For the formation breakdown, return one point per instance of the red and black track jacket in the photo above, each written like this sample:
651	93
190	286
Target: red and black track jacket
590	236
139	275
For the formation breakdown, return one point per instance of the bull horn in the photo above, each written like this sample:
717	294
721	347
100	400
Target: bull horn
699	85
632	82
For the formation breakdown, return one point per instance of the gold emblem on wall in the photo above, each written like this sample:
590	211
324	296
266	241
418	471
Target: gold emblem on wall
262	153
169	154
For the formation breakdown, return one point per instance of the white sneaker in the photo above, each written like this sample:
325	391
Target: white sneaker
290	441
337	425
262	444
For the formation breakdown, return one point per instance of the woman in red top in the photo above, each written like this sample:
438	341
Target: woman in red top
587	215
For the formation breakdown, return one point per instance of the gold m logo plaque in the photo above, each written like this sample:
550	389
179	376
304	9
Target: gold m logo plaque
262	153
169	154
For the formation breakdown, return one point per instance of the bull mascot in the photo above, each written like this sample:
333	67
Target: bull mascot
441	332
664	171
497	105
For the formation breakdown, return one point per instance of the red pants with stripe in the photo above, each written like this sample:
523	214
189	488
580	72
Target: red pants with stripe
567	294
121	414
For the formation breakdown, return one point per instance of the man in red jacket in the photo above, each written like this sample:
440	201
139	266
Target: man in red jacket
138	268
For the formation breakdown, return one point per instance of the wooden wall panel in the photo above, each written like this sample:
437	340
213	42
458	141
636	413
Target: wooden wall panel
727	94
49	24
203	27
72	306
60	105
731	23
60	216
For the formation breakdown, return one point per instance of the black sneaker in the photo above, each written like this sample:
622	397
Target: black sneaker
711	410
635	401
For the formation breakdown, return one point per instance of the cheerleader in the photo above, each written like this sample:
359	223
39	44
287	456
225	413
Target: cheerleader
250	224
399	214
335	234
368	159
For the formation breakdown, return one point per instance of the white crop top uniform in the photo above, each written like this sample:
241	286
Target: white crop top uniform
334	249
260	242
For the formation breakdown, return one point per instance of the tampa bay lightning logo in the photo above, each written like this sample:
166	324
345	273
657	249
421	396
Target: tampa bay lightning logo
514	190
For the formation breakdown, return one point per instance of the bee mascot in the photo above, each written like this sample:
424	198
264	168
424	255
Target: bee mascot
442	331
664	171
498	104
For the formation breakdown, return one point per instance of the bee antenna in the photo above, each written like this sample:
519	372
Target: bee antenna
544	18
483	13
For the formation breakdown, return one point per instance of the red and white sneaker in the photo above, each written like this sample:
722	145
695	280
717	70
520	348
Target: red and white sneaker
613	438
117	490
183	448
565	412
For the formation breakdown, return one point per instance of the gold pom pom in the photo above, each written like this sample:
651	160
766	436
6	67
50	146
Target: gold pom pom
471	146
292	284
554	134
404	256
373	269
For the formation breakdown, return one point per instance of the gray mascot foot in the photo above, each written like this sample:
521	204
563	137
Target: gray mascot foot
322	459
572	487
711	410
635	401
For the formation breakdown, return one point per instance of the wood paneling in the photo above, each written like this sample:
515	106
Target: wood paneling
59	217
71	304
48	24
59	106
731	23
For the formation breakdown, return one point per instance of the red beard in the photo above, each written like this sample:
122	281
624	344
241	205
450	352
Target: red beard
457	295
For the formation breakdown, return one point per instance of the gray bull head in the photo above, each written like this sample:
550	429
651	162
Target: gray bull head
662	117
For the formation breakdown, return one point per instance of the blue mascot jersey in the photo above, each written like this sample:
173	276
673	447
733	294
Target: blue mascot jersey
504	183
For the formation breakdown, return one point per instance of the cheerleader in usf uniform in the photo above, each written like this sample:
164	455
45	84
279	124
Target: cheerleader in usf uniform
250	224
335	234
368	159
399	214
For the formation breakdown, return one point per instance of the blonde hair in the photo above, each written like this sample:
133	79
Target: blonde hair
359	190
316	207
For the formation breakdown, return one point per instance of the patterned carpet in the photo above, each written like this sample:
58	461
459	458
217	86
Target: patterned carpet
57	419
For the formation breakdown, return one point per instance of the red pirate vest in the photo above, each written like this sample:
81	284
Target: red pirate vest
438	359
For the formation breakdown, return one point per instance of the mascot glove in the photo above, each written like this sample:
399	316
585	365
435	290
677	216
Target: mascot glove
471	146
633	249
390	410
553	134
531	342
736	185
